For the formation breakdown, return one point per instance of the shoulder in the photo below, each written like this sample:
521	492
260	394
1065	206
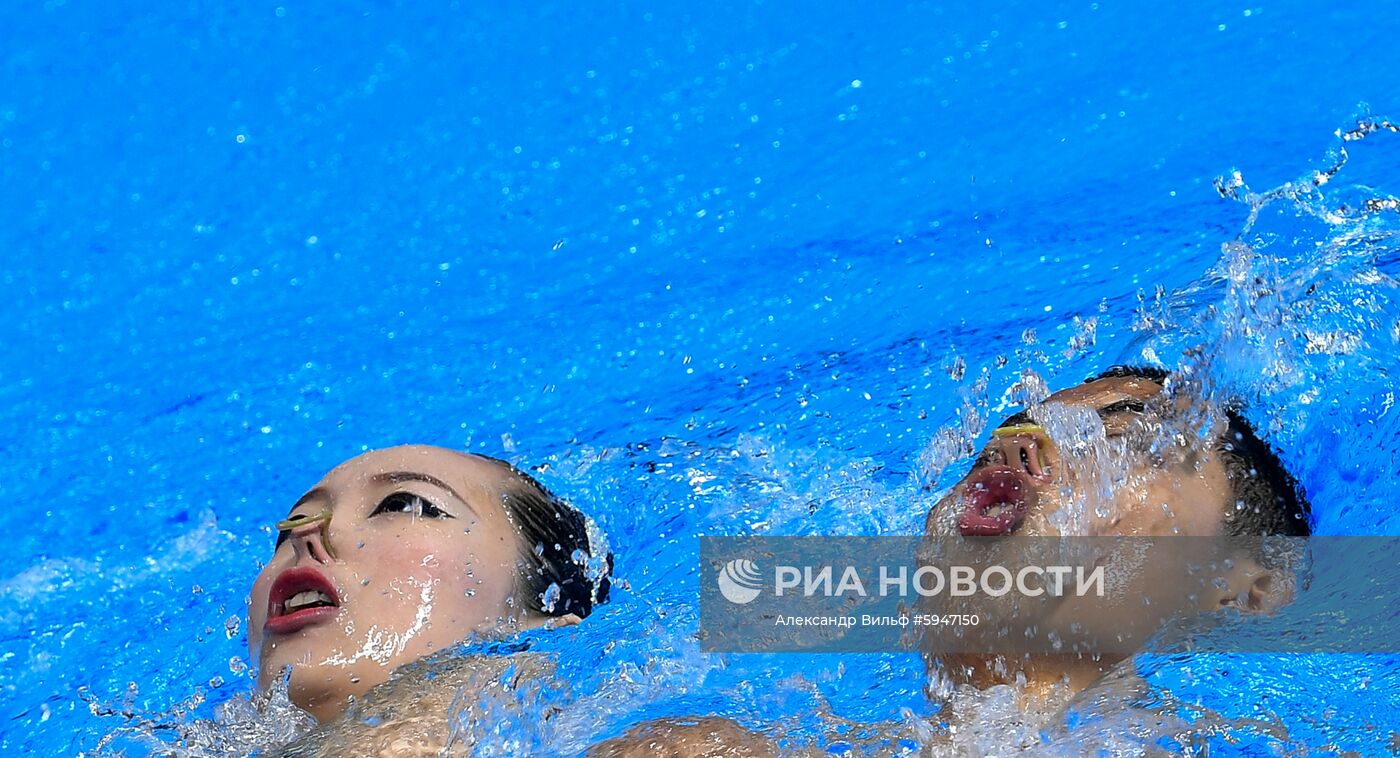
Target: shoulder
683	738
413	713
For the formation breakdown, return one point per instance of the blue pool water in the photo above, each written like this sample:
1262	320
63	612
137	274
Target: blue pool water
713	266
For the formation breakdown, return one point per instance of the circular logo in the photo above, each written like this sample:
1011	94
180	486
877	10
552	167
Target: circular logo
739	581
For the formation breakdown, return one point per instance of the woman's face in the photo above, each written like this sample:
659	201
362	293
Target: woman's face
417	554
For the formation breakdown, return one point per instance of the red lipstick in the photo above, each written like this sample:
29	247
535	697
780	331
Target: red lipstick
300	597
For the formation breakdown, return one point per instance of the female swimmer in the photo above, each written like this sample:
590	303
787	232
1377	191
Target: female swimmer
399	553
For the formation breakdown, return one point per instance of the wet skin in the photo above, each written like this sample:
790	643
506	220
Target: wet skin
1024	485
418	554
1194	496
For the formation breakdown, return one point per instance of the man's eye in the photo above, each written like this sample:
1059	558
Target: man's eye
407	502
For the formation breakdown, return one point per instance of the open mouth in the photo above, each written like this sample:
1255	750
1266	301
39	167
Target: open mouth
995	502
299	598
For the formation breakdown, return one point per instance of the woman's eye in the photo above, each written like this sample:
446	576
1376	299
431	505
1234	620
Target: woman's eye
283	534
407	502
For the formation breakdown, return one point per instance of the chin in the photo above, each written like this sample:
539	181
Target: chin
323	691
303	671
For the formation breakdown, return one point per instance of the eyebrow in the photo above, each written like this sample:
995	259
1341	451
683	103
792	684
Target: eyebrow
418	476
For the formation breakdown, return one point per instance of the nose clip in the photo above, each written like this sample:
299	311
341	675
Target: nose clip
1036	432
1017	429
301	520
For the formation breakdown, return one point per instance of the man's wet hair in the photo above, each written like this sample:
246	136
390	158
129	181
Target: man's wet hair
555	537
1268	500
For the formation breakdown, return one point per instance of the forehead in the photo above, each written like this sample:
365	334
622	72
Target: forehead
1102	392
474	478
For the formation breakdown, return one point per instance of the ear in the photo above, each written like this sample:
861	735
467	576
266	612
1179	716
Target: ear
559	622
548	622
1251	588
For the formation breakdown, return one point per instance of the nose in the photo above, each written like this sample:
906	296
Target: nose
310	537
1025	449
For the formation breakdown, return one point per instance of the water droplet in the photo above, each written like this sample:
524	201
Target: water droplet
550	598
231	626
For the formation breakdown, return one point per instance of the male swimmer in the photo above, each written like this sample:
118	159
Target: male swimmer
1185	468
1175	479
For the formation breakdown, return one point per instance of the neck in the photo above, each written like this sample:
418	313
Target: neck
325	710
324	704
326	692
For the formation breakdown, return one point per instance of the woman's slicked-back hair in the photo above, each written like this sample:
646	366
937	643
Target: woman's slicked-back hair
555	549
1268	500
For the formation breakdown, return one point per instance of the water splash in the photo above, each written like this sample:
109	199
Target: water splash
956	441
246	723
1305	290
1304	293
1297	313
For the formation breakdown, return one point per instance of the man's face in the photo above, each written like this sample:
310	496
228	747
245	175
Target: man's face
1109	458
1093	460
